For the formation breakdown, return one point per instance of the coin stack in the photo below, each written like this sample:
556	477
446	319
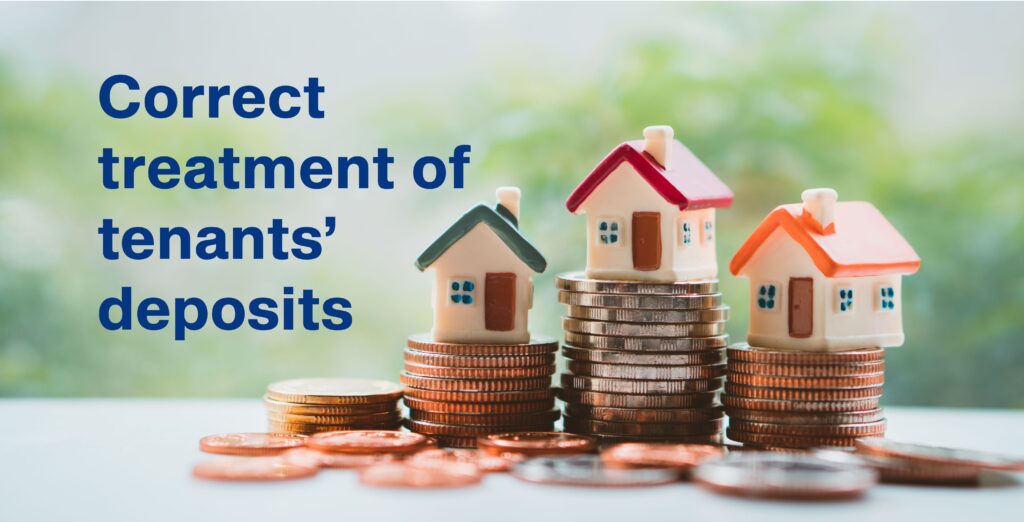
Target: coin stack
318	405
459	392
645	359
792	399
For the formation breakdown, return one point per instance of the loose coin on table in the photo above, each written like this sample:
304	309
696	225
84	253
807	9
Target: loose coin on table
368	441
484	461
412	475
784	475
251	444
908	471
638	454
311	457
939	455
590	470
253	468
537	443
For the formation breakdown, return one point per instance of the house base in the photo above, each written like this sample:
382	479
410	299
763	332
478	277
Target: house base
702	273
825	344
480	336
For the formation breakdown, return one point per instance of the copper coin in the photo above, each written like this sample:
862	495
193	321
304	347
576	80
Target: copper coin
606	439
308	429
626	315
460	361
939	454
367	441
445	441
252	468
337	420
853	405
536	346
468	385
485	462
775	417
455	430
906	471
502	397
607	385
649	302
328	409
637	372
323	459
478	373
799	370
755	392
643	329
537	443
579	282
639	454
784	475
744	352
624	400
816	383
643	416
643	359
334	391
590	470
482	408
788	441
646	344
865	429
407	475
251	444
482	419
589	426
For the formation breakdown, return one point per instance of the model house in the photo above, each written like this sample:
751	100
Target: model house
650	207
482	267
825	276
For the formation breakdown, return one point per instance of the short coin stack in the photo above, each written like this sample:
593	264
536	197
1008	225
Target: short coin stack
317	405
792	399
459	392
645	360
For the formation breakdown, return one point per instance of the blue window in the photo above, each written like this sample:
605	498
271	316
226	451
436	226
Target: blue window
709	230
887	298
844	302
608	231
461	291
767	295
686	233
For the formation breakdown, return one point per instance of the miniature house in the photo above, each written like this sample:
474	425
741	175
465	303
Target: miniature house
650	209
482	267
825	276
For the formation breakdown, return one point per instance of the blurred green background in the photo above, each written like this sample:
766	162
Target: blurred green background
916	108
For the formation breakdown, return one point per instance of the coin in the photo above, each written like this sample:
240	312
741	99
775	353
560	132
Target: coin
478	373
589	426
864	429
485	408
291	427
408	475
327	409
337	420
744	352
537	443
322	459
638	315
483	461
578	282
477	385
657	416
907	471
643	329
639	454
607	385
480	419
755	392
454	430
334	391
650	302
624	400
817	383
606	439
646	344
251	444
461	361
455	442
748	404
536	346
787	441
589	470
795	370
252	468
367	441
481	397
939	454
776	417
637	372
645	359
784	475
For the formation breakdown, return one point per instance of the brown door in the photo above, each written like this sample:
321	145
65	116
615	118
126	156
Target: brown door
801	306
646	240
500	302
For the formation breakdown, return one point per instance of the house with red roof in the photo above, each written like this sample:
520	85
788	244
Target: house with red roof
650	207
825	276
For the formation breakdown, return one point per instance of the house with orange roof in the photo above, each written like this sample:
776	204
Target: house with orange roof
825	276
650	207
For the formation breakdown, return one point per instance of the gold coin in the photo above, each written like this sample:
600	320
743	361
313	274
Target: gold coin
536	346
334	391
328	409
337	420
498	397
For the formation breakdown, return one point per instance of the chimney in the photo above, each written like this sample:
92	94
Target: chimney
658	143
508	198
820	208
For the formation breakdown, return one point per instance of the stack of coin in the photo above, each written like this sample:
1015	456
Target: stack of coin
645	360
459	392
319	405
791	399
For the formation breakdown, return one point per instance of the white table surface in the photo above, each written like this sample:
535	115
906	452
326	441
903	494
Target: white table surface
124	459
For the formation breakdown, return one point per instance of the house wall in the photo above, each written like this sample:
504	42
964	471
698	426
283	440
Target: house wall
865	325
478	252
618	196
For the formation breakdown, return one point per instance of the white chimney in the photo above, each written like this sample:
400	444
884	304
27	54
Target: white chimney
658	143
508	197
820	204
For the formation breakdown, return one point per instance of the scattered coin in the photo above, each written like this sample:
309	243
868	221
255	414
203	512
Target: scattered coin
907	471
251	444
578	282
322	459
645	373
474	397
460	430
462	361
444	372
367	441
643	329
654	302
623	400
644	359
494	408
475	385
626	315
939	455
334	391
536	346
744	352
484	461
754	392
799	370
607	385
646	344
776	417
590	470
811	406
252	468
537	443
590	426
815	383
784	475
643	416
639	454
481	419
409	475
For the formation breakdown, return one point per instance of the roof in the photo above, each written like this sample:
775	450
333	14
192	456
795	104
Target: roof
862	243
501	221
688	183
